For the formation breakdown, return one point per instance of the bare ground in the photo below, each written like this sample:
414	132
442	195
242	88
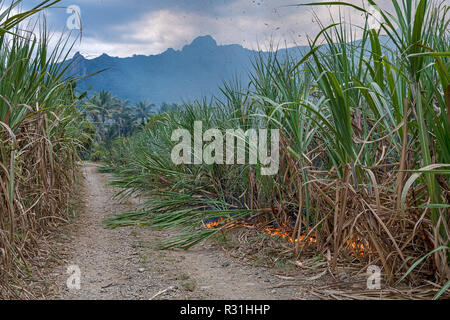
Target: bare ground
124	264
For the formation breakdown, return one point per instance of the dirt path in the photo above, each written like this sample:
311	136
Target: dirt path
123	264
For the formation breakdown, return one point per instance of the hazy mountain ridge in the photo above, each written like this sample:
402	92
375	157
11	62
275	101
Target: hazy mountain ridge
197	70
172	76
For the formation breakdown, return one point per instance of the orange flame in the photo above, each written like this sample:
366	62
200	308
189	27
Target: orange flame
355	244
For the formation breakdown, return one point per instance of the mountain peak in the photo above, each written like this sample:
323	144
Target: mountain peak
205	40
169	50
78	55
202	42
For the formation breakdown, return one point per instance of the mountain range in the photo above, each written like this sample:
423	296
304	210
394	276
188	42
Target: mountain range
195	71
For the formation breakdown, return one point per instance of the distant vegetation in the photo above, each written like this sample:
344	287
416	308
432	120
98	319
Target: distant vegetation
365	156
114	119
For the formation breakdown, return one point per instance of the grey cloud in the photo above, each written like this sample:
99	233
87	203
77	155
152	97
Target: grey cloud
123	28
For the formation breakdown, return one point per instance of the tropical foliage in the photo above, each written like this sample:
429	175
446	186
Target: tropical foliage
114	119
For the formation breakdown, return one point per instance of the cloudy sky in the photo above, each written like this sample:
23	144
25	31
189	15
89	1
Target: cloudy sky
126	27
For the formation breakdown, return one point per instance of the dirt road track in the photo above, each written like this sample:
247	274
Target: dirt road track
123	263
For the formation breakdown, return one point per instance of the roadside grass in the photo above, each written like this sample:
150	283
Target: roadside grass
42	129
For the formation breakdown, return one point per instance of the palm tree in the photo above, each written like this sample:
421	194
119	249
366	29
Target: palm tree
101	105
93	114
121	113
165	107
143	109
105	100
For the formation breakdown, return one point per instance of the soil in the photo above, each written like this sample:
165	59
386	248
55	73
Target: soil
123	263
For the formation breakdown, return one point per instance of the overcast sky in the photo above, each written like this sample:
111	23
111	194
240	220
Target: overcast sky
126	27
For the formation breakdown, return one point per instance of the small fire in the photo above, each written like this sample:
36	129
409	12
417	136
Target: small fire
358	245
355	244
216	223
280	232
273	231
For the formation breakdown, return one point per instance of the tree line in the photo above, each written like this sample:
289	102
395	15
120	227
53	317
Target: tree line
115	118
